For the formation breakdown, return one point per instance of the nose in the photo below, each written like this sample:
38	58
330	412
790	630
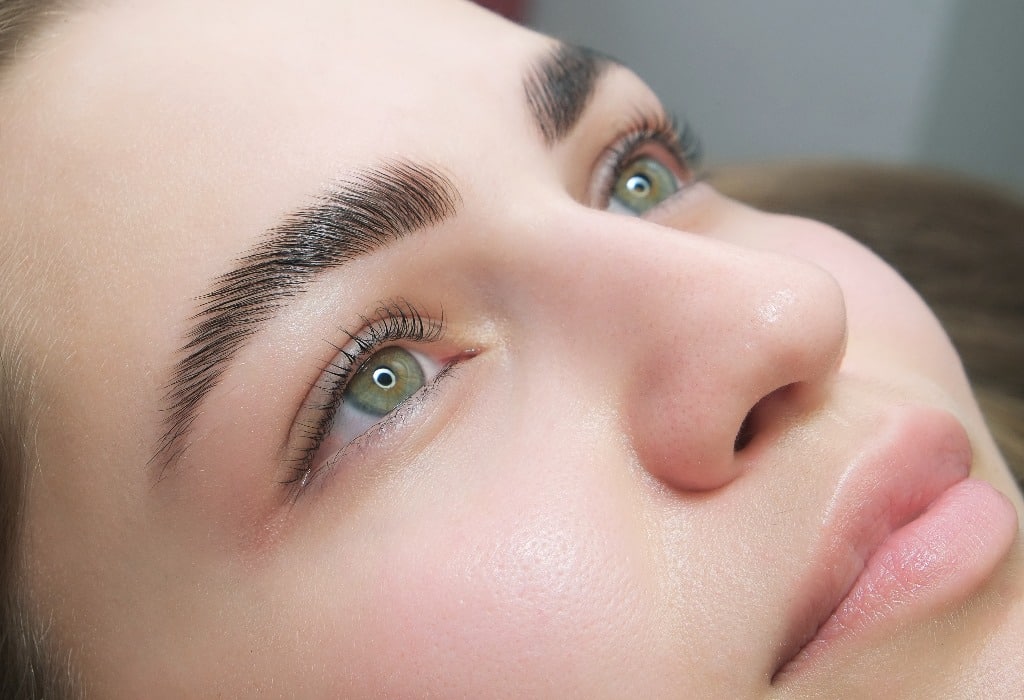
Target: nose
703	332
726	329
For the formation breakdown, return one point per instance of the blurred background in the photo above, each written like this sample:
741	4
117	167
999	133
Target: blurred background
923	82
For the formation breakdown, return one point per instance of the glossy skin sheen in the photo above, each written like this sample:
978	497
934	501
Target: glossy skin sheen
564	512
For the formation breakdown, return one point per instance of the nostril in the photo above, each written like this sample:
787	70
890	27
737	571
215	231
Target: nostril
758	416
745	434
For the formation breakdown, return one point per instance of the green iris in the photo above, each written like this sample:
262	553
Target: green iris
644	184
384	381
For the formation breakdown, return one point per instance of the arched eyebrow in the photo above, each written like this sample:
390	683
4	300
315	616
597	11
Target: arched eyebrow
559	87
350	218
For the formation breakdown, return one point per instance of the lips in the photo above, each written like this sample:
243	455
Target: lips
908	531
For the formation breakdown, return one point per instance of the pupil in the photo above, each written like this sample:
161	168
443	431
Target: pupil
639	185
384	378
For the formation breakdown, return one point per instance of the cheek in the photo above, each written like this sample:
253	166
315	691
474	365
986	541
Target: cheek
539	576
518	585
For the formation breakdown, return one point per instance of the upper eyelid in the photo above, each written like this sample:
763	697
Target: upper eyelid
667	129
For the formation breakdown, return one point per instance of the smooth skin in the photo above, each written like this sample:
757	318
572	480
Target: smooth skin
566	514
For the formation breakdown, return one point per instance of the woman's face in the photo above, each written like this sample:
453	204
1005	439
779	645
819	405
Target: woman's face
387	349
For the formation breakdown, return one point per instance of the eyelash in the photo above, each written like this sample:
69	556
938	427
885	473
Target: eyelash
399	321
674	135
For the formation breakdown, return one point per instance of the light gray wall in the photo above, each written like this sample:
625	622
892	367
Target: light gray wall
919	81
974	119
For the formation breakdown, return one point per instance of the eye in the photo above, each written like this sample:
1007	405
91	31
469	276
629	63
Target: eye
382	383
642	185
368	384
650	162
388	381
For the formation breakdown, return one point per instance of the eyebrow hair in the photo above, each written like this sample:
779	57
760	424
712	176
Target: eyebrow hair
559	87
350	218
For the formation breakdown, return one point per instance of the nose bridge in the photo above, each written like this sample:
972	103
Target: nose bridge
693	333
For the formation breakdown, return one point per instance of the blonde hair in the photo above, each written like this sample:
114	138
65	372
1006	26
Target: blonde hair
20	22
29	668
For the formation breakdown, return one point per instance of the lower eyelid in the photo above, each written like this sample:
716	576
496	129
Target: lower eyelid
689	208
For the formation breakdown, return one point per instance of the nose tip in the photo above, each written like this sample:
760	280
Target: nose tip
778	331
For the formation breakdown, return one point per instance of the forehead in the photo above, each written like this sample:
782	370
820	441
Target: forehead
256	68
190	118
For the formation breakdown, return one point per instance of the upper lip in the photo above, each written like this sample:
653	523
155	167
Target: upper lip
918	454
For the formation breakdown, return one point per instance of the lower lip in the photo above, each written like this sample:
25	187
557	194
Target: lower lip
938	559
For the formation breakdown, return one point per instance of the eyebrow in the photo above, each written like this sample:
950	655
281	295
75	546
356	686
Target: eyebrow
559	87
350	218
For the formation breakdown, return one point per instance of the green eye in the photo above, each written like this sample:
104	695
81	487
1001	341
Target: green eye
643	184
384	381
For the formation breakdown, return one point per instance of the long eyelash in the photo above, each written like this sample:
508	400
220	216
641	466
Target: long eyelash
667	130
399	320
